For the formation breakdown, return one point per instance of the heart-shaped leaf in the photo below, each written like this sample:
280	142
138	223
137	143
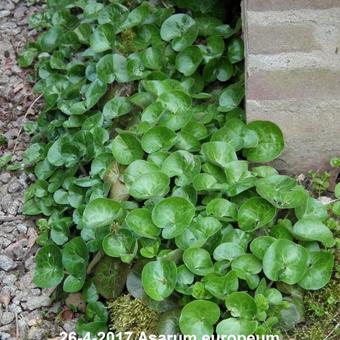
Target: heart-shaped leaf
198	261
233	326
139	221
285	261
312	229
270	142
159	279
180	29
255	213
101	212
219	153
49	268
188	60
281	191
198	318
320	265
173	215
121	244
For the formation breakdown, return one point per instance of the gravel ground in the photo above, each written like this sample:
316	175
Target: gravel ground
26	312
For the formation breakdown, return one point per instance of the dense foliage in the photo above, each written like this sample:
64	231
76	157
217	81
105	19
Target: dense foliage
141	155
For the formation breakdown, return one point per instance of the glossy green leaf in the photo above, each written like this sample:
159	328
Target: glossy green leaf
173	215
159	279
312	229
234	326
198	317
126	148
255	213
221	286
285	261
281	191
101	212
260	244
198	261
270	142
231	97
320	265
49	268
120	244
188	60
180	29
241	304
139	221
158	138
228	251
150	185
219	153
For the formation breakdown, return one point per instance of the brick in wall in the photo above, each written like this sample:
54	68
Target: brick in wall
278	38
281	5
293	83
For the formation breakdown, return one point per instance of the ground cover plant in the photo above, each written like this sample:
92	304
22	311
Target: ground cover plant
150	181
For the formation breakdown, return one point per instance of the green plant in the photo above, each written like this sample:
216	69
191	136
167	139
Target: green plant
142	154
319	181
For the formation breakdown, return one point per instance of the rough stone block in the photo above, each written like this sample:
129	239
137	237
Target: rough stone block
281	5
278	38
293	83
311	128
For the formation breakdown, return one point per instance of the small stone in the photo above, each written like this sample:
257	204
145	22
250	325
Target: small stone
9	279
29	263
5	177
37	333
15	309
38	301
70	325
35	292
7	317
6	263
9	205
22	228
5	297
4	13
4	336
17	250
14	186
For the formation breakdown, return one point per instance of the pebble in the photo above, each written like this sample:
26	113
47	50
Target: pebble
37	302
14	186
5	177
9	279
6	263
7	317
4	13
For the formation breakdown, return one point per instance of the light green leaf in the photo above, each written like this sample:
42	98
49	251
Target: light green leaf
320	265
312	229
255	213
198	317
198	261
159	279
49	268
173	215
285	261
188	60
270	142
139	221
101	212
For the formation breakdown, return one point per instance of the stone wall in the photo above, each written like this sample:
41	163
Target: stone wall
293	71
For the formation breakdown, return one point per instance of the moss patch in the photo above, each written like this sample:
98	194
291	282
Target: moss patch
322	314
130	315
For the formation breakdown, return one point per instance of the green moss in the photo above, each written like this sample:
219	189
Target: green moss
322	314
130	315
